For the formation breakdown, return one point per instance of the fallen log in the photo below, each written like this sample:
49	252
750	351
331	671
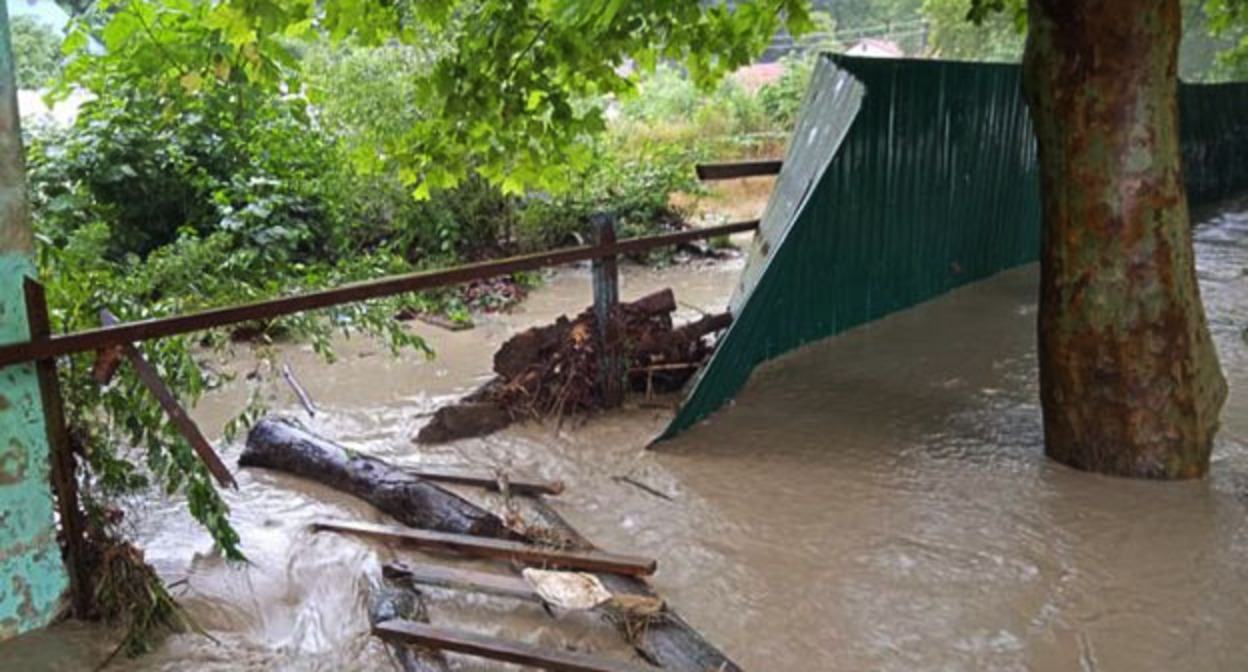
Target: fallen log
283	445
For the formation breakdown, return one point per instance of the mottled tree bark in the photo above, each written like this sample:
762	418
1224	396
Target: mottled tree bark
1129	378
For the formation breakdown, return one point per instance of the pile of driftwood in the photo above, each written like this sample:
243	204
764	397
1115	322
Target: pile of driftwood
563	368
433	519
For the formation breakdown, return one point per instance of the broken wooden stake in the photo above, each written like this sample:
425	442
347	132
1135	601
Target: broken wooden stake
492	483
177	415
491	648
289	375
482	547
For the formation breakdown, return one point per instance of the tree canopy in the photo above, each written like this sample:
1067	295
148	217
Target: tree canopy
36	50
511	87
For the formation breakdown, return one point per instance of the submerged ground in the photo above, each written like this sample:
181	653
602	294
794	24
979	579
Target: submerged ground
876	501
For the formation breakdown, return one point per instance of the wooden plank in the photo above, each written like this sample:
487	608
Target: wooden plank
132	332
63	465
518	486
670	643
458	641
499	585
484	547
177	415
736	169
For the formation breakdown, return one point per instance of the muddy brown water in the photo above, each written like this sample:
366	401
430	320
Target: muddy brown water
878	500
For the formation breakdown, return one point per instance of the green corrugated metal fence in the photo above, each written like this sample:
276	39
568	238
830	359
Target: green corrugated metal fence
933	186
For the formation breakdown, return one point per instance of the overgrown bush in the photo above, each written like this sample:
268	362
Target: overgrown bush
782	100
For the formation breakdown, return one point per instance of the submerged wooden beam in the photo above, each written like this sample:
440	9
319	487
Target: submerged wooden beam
498	549
177	415
458	641
670	643
519	486
397	599
498	585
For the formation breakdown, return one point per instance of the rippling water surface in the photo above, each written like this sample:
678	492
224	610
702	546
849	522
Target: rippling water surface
875	501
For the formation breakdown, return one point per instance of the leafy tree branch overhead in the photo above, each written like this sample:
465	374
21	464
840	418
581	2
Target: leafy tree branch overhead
511	90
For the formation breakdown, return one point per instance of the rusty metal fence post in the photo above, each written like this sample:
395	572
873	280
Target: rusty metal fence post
606	274
63	463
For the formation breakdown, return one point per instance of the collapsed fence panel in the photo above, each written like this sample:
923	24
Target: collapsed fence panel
932	185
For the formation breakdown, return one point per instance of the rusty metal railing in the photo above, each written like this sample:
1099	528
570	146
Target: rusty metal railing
118	335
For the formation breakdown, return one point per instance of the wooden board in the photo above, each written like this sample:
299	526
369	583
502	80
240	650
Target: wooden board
519	486
737	169
533	556
458	641
438	576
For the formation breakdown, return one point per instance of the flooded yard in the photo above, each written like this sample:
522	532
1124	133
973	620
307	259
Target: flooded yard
879	500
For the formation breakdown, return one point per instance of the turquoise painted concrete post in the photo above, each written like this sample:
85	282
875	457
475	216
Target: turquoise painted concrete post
32	575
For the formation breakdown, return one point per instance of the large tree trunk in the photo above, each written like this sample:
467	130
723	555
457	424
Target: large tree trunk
1129	377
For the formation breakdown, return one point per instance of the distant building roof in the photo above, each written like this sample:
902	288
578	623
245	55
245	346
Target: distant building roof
754	77
869	46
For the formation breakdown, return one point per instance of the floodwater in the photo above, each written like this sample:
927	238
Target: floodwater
878	500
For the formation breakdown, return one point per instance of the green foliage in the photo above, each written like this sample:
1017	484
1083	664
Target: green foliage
36	52
1214	47
1228	20
782	99
504	95
195	180
635	189
995	37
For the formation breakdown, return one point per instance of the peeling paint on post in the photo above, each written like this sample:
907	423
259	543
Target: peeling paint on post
32	575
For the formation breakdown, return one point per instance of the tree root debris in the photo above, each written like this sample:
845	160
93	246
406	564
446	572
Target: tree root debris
553	371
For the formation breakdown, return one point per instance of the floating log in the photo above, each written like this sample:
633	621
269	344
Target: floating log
498	549
491	648
283	445
518	486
